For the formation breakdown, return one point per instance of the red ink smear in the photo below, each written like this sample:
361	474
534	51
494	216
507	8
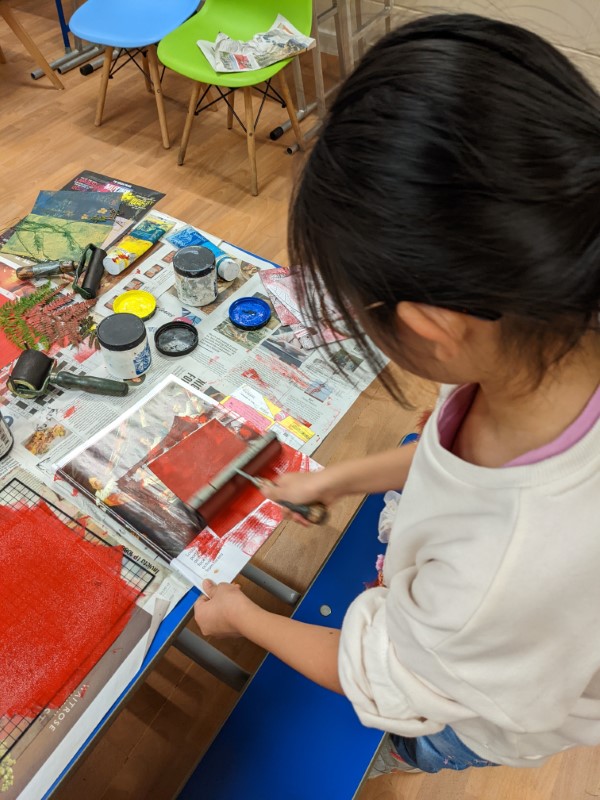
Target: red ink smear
84	351
64	604
253	375
249	521
69	412
197	459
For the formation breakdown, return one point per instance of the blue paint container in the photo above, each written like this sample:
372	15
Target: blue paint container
249	313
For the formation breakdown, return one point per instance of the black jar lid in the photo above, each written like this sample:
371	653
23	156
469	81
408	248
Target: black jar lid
121	332
176	338
193	261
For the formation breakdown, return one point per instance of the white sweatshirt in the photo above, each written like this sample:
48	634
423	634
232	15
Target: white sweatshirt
489	620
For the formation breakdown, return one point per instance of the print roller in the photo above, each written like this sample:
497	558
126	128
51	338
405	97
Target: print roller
312	512
32	377
227	484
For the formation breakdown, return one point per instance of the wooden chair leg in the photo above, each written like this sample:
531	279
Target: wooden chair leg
146	71
196	88
162	117
230	107
250	139
108	54
285	93
2	57
28	43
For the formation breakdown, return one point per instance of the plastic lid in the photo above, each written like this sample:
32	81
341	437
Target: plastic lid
249	313
177	338
121	332
136	301
194	261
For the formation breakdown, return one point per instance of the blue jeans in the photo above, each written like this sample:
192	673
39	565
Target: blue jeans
443	750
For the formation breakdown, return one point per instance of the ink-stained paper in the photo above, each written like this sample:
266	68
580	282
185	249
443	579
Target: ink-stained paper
41	238
134	202
98	207
172	431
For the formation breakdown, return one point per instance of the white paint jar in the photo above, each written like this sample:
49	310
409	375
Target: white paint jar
124	345
195	276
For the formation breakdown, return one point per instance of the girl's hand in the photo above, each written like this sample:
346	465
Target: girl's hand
218	610
301	487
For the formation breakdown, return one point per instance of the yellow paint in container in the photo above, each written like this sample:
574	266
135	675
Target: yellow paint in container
136	301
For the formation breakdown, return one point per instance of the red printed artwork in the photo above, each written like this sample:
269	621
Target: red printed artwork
247	523
64	604
193	462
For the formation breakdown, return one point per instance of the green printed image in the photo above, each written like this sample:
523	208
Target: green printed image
51	238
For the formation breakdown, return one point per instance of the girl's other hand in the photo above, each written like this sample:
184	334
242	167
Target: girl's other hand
220	607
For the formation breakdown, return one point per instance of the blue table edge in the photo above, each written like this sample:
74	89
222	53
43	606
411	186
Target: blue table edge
173	623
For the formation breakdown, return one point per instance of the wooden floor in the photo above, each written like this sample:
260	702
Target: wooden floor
46	137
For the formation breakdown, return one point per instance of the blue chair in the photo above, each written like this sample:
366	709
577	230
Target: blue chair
133	27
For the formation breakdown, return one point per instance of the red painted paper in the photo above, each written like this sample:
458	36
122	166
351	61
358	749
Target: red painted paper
248	522
193	462
64	603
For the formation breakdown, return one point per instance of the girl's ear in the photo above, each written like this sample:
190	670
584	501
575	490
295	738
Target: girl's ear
445	330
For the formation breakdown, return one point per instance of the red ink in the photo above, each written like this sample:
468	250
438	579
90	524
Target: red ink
64	604
197	459
249	521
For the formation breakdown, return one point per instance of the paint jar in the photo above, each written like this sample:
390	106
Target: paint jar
195	275
6	438
124	345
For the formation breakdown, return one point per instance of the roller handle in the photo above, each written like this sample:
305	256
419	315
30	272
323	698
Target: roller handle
314	512
87	383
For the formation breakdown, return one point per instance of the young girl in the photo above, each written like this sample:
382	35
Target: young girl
450	209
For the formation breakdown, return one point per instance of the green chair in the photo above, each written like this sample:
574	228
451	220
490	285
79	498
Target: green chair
240	19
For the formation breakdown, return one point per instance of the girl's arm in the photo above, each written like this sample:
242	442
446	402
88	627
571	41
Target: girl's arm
368	475
312	650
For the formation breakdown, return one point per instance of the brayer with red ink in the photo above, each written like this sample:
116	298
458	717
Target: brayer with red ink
312	512
227	484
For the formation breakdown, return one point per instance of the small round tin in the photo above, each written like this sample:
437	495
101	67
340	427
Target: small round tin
124	345
136	301
177	338
195	275
249	313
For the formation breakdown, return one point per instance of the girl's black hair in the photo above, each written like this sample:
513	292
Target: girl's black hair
459	166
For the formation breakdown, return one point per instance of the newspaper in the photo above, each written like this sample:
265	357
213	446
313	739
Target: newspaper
281	41
265	376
